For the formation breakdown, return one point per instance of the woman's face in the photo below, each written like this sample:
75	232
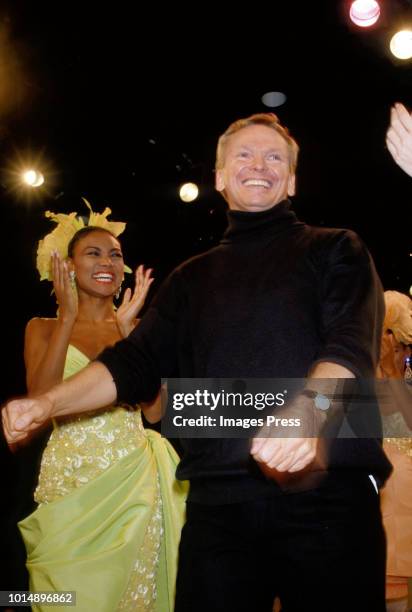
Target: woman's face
98	263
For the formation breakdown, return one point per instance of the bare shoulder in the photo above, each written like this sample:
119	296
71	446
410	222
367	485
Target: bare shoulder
40	327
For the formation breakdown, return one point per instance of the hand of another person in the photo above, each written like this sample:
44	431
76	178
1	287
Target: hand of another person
132	303
22	416
65	295
399	137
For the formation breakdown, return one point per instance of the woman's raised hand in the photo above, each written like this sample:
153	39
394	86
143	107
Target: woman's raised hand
65	295
132	303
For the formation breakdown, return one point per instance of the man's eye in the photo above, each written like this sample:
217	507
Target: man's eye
120	255
274	157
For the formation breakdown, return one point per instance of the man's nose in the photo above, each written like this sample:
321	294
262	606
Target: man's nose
259	162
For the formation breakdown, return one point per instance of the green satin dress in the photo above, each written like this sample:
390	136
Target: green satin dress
110	512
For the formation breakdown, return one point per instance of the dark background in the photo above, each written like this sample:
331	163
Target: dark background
121	103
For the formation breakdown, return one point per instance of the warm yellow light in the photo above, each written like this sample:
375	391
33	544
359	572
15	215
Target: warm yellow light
401	44
33	178
188	192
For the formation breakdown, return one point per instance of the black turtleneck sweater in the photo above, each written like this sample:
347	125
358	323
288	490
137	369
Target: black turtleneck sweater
272	299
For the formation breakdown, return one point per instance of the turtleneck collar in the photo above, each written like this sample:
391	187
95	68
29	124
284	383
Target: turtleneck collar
244	225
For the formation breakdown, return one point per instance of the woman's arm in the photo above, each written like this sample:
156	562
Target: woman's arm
45	348
46	341
89	389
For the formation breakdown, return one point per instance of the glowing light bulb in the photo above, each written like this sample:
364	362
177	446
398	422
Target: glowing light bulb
33	178
401	44
188	192
364	13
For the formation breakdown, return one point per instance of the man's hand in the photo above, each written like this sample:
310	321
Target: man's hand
399	137
290	448
22	416
284	454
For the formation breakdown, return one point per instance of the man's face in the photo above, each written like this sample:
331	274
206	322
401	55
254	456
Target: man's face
255	174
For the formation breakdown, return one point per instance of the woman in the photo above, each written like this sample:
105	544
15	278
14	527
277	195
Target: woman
396	496
110	511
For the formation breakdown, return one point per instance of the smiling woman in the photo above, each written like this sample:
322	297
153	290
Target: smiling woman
106	492
96	260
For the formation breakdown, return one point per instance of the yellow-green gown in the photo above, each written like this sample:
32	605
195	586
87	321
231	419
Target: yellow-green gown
110	512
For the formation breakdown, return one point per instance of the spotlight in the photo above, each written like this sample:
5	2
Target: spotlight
188	192
401	44
364	13
272	99
33	178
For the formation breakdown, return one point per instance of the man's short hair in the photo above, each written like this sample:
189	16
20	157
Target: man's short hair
270	120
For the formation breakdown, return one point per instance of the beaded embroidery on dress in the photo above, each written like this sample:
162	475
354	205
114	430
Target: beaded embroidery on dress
100	530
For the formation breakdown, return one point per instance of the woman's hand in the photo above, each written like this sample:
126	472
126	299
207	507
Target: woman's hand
132	303
65	295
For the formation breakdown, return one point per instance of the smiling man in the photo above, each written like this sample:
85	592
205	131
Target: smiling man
255	164
276	299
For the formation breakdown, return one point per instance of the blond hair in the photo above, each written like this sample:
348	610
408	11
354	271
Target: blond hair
269	120
398	317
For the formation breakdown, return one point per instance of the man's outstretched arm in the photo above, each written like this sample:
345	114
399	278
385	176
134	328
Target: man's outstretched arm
90	389
288	454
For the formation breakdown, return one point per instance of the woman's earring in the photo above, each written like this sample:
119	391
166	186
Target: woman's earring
72	277
118	292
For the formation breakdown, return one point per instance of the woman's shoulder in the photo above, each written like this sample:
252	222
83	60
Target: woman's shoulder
40	326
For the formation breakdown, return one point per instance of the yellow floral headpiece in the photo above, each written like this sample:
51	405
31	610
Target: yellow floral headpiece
67	225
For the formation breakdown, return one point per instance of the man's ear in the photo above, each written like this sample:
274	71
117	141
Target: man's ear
292	185
219	181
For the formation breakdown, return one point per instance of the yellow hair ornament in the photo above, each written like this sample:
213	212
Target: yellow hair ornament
66	227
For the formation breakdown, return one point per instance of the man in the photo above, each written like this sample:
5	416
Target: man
276	299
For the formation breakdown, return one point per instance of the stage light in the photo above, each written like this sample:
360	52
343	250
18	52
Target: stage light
272	99
401	44
364	13
33	178
188	192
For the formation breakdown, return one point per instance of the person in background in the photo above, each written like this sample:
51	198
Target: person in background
396	504
396	496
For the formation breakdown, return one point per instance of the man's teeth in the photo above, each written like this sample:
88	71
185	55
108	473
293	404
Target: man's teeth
257	182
